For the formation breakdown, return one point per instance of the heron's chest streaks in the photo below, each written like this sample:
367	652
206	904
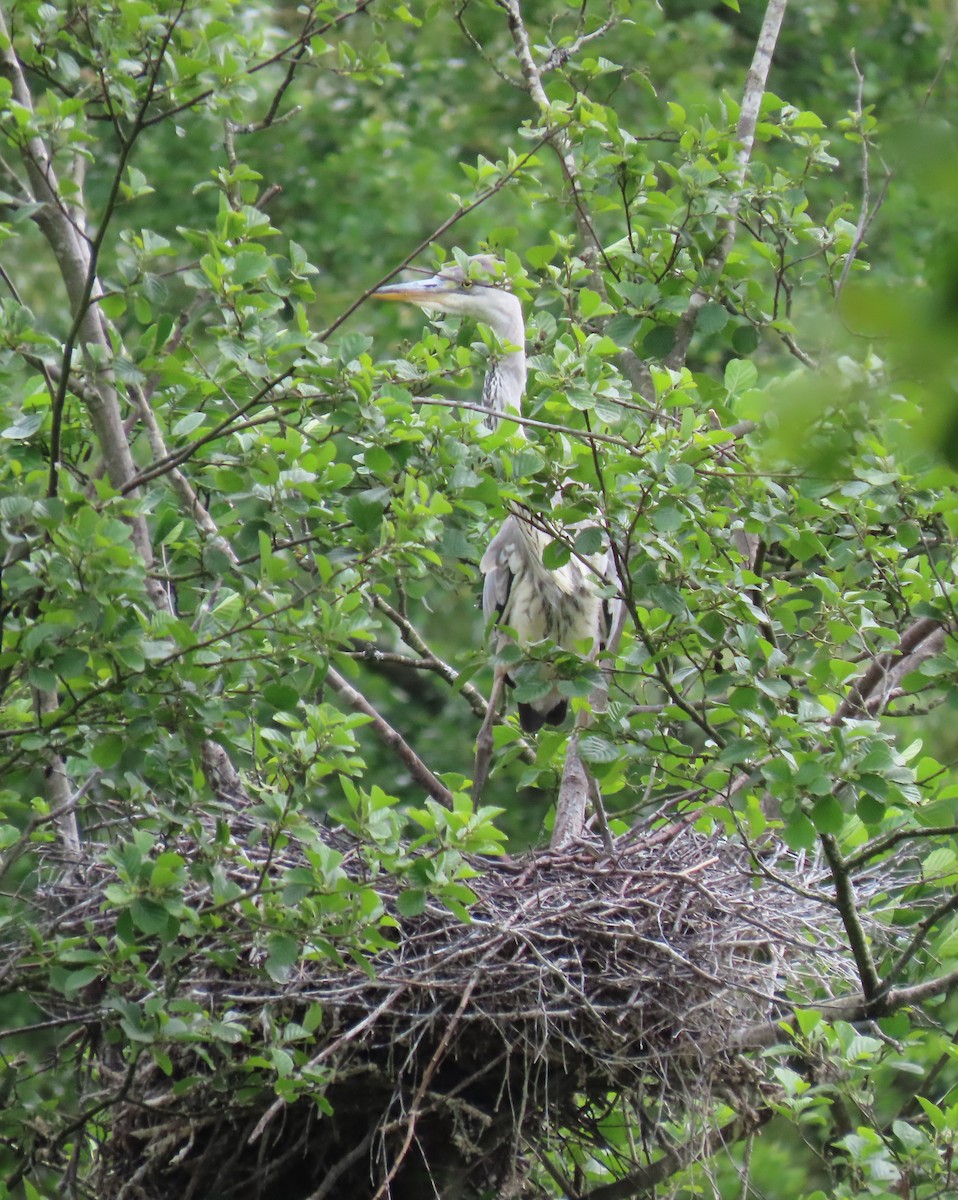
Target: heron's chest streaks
560	605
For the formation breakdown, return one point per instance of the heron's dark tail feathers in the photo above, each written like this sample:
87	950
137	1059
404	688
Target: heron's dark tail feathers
531	718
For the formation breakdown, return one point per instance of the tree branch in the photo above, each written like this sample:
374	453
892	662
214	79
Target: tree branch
848	911
76	260
635	370
747	121
411	636
866	213
847	1008
390	738
641	1182
923	638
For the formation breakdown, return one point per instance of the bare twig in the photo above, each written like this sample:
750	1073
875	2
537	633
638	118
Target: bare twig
642	1182
411	636
560	55
867	213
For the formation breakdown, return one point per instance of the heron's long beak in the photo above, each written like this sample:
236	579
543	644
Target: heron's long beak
418	291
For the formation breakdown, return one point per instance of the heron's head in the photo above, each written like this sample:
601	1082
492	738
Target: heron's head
477	289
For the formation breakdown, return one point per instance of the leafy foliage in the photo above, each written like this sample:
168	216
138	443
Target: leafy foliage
240	510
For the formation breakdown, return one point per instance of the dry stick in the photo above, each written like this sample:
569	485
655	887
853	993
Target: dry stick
340	1168
427	1075
748	118
390	738
436	1059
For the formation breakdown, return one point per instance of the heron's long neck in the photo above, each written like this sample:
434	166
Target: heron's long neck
506	378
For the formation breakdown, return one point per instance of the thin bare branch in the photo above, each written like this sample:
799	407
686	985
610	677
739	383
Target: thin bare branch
411	636
867	212
642	1182
390	738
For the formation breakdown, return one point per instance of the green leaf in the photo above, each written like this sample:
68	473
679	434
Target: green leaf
556	554
659	341
79	979
249	265
23	428
167	870
870	809
808	1019
540	256
745	340
668	519
108	750
282	696
378	460
828	815
186	425
365	510
411	902
597	749
149	916
351	345
590	540
712	318
800	832
623	329
282	954
592	305
740	375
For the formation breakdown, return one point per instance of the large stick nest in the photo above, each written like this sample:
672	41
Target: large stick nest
582	981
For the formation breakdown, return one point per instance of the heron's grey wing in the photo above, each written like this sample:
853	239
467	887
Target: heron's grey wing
500	564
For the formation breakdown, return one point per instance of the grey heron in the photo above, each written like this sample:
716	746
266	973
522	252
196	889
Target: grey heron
564	604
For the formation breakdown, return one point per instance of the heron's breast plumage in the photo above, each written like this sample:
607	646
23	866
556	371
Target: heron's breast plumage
536	602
